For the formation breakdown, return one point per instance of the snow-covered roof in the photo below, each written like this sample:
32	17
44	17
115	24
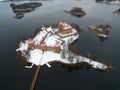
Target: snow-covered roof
51	41
49	29
39	37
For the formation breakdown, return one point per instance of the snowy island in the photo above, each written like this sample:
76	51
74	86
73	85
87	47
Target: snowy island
101	30
51	44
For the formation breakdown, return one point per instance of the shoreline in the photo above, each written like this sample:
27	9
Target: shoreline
68	58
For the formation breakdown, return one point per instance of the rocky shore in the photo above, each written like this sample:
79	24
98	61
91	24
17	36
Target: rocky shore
21	9
101	30
76	11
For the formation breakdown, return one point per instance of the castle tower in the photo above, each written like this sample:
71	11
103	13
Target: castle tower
60	26
64	28
57	47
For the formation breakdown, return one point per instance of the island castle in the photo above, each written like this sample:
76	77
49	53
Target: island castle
63	28
43	46
52	44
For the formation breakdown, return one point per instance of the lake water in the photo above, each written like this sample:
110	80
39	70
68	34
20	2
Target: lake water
14	76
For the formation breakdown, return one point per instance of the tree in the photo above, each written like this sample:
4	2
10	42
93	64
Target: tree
63	52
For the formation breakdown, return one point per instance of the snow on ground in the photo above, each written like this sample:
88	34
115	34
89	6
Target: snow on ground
51	40
71	38
35	56
23	46
115	2
102	35
38	57
111	2
50	56
49	29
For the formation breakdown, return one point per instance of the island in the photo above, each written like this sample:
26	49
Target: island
117	11
51	45
76	11
101	30
21	9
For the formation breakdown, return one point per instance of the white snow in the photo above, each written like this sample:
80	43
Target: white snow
50	56
35	56
38	57
22	46
29	66
48	65
49	29
112	2
51	41
102	35
115	2
39	37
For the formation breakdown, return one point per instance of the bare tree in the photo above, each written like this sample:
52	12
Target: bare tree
63	52
77	59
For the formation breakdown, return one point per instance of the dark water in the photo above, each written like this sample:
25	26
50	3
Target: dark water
13	75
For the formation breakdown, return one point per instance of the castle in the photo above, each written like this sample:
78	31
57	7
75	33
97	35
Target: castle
44	47
64	28
45	40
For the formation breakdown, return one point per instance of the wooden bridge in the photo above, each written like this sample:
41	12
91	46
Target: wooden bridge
35	78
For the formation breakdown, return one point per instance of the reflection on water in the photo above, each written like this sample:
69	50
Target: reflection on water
24	8
102	39
15	77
